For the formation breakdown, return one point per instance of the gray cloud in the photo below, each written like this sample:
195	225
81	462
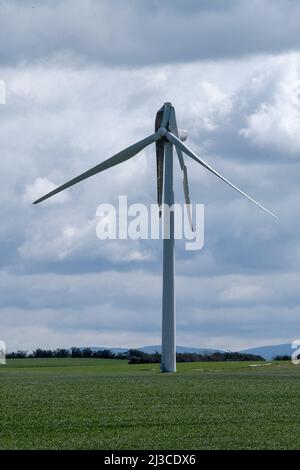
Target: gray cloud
113	309
143	32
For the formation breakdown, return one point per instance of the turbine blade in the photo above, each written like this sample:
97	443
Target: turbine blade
174	140
160	152
166	113
120	157
173	127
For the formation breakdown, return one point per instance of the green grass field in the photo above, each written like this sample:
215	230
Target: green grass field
108	404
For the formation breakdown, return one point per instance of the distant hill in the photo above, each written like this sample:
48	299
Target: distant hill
269	352
100	348
180	349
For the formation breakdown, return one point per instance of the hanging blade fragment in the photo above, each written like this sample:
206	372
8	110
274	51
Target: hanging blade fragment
174	140
174	129
187	197
120	157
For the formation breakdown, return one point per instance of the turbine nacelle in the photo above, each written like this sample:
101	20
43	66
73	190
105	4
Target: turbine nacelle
183	134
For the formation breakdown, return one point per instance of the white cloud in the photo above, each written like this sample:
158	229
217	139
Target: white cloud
40	187
245	293
59	242
2	92
208	105
276	122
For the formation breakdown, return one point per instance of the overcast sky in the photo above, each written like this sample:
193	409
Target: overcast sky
84	80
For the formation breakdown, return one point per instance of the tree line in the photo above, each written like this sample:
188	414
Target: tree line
72	352
139	357
133	356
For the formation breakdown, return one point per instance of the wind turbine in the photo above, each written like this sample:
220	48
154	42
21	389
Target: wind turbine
166	136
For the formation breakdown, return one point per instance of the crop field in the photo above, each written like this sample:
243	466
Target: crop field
108	404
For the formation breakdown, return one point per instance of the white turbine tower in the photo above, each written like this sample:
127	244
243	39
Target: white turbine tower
166	137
